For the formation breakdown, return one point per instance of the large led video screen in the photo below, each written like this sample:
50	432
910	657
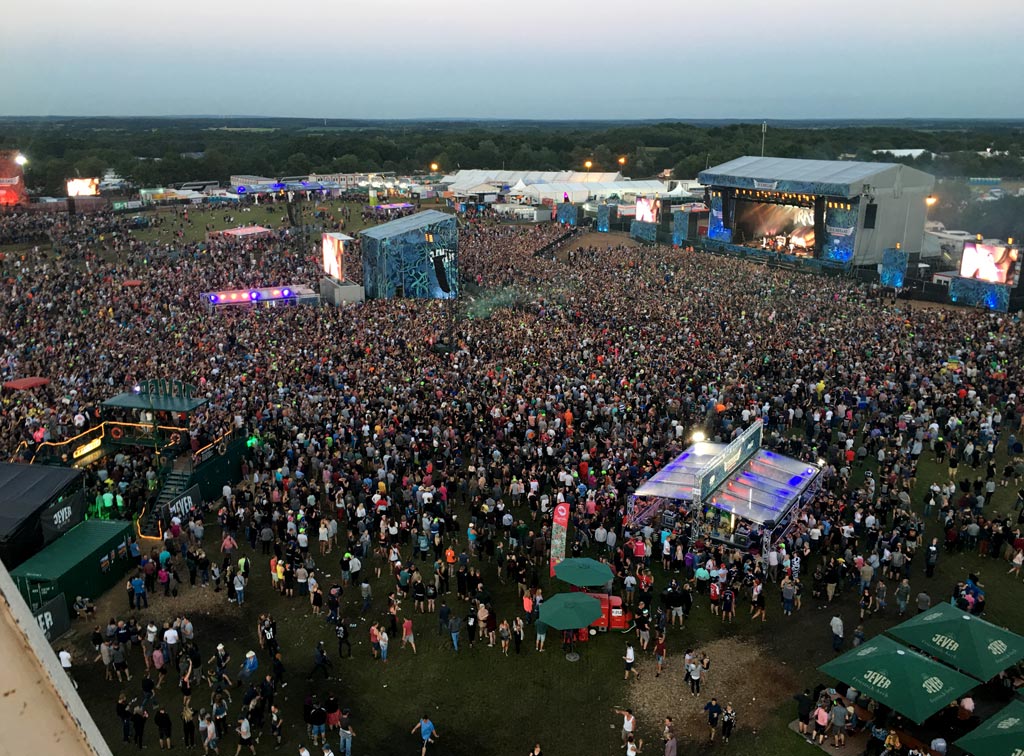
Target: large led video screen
990	262
647	209
83	187
784	228
334	256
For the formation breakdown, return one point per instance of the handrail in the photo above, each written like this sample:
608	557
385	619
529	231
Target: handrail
223	438
102	428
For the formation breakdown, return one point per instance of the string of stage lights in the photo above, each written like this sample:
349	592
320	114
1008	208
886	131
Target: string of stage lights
267	295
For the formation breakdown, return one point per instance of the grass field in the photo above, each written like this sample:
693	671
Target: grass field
271	216
485	703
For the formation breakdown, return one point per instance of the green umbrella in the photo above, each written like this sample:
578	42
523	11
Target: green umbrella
583	572
962	640
570	611
1001	734
902	679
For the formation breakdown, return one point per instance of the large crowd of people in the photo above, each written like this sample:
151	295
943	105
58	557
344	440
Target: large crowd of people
371	442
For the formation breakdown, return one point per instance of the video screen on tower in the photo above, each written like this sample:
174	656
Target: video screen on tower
83	187
782	228
334	256
647	209
990	262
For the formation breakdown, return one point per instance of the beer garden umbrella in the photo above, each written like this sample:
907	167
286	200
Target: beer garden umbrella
902	679
962	640
570	611
583	572
1000	735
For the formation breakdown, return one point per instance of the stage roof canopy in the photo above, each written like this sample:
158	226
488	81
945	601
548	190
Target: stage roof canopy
836	178
406	224
760	490
155	402
26	489
677	479
764	487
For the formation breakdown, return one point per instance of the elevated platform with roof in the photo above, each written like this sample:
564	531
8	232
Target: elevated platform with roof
678	479
736	493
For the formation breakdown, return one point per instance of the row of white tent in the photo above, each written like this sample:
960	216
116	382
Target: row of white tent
560	191
555	186
465	179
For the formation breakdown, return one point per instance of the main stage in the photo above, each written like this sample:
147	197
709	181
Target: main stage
839	212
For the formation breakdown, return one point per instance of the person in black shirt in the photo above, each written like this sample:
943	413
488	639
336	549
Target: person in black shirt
321	662
279	671
334	602
318	722
804	706
343	641
125	715
267	689
139	717
188	725
268	631
163	727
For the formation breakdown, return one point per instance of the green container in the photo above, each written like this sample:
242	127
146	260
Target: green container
88	560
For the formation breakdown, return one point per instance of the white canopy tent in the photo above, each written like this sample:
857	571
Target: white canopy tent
464	179
583	192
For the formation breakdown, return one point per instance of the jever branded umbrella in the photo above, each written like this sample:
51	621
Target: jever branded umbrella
962	640
570	611
1002	734
583	572
898	677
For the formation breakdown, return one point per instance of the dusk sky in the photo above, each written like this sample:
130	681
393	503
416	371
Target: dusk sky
525	59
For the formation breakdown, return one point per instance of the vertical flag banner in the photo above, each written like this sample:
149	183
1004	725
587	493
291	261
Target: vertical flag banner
558	535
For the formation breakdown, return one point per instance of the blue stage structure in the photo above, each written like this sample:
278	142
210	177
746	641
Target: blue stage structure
975	293
567	214
643	231
716	223
680	227
416	257
894	267
604	218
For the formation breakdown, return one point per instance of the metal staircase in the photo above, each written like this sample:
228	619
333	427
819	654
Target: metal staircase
175	484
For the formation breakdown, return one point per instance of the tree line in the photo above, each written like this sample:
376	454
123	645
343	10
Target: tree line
159	152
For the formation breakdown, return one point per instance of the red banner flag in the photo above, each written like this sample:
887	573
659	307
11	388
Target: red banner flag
558	535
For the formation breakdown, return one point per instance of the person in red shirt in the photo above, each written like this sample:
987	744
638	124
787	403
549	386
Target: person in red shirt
659	653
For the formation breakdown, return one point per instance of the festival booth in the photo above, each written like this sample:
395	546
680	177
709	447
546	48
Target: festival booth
480	194
736	493
529	213
38	504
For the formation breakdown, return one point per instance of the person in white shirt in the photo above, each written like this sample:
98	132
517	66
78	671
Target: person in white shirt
65	662
836	624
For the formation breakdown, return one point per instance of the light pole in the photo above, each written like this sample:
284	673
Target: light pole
588	165
20	159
